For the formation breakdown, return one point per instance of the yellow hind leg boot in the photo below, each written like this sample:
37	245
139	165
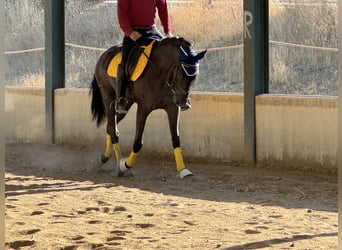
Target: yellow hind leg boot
103	158
109	146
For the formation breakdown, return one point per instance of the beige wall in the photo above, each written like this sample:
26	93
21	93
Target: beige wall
297	130
212	128
293	130
24	114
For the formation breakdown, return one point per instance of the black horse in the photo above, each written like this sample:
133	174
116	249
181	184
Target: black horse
164	84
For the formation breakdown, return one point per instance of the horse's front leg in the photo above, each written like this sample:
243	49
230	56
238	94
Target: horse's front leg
173	115
138	142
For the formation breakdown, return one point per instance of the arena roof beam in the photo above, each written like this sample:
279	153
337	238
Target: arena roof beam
256	67
54	58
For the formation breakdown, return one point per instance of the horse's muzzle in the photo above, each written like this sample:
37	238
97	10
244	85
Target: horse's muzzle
184	103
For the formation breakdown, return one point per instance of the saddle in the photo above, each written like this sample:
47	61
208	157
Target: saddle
137	61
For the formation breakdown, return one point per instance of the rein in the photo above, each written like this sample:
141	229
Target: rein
151	62
170	85
176	66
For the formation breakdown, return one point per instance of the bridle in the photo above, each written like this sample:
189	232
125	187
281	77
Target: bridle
172	77
189	69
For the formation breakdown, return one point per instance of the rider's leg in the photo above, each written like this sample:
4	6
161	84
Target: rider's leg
121	84
121	79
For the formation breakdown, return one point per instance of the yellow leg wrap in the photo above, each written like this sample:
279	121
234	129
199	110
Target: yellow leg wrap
117	152
131	159
108	151
179	159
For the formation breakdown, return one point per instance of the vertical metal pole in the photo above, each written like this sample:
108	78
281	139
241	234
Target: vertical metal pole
339	142
2	126
256	67
54	58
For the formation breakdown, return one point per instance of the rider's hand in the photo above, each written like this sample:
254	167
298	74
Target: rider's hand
135	35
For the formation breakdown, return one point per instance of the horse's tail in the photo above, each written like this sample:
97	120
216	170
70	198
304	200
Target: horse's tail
97	106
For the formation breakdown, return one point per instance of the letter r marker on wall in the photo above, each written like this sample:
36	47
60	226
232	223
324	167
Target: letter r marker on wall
247	22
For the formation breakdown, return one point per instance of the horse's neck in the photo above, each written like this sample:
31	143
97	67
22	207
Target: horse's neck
165	56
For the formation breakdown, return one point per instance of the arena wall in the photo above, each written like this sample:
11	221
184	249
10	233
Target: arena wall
292	131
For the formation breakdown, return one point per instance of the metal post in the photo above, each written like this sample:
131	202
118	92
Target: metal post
2	125
256	67
54	58
339	142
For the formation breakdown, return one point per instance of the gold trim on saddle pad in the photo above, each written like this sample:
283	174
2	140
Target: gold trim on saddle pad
139	68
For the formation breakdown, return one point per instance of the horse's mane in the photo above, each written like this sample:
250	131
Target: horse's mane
177	42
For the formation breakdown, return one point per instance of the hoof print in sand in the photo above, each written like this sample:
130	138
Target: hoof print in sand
30	231
144	225
113	238
77	237
37	213
43	203
73	247
20	243
96	209
148	214
120	232
250	231
103	203
191	223
94	222
119	209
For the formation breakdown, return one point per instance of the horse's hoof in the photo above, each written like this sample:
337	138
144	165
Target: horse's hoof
120	174
127	173
185	173
123	170
122	166
102	159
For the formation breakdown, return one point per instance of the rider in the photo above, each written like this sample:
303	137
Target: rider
137	19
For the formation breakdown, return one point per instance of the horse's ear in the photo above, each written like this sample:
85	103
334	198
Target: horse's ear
200	55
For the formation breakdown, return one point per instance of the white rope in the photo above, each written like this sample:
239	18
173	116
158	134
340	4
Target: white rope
24	51
237	46
84	47
303	46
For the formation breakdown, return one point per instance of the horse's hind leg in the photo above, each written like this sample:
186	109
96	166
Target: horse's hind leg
112	139
103	158
173	115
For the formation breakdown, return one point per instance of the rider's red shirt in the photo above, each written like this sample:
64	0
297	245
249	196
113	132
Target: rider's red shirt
142	13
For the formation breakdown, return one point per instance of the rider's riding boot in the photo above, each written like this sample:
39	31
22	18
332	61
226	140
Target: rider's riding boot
121	84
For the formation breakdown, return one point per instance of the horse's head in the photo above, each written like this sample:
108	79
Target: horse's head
184	72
